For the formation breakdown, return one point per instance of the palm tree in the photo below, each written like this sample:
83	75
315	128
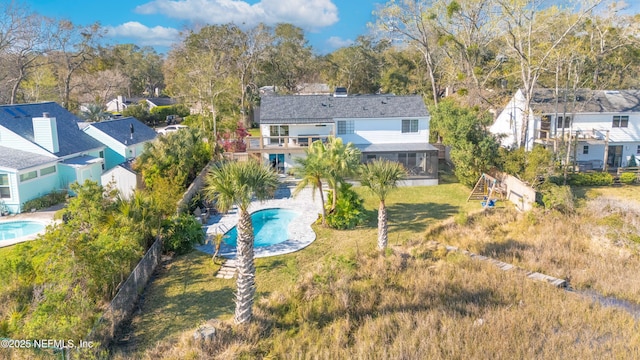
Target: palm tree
343	161
381	176
237	183
216	241
312	169
94	113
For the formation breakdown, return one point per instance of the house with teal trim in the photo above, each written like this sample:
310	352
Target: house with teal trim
125	139
42	149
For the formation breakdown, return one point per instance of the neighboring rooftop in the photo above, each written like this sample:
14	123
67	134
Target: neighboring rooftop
584	100
18	159
157	101
127	131
326	108
18	119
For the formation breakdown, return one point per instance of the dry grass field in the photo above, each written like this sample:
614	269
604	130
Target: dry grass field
339	299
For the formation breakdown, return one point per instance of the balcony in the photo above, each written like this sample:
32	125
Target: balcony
289	143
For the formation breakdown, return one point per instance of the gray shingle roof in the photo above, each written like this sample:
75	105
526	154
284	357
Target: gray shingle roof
120	130
71	139
585	100
157	101
18	159
289	109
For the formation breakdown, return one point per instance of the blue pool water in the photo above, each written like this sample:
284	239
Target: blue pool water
269	227
16	229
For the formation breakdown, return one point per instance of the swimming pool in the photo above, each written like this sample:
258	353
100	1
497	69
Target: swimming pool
16	229
270	227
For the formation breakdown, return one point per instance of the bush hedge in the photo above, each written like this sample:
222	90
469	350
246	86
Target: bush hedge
628	178
182	232
349	211
585	179
53	198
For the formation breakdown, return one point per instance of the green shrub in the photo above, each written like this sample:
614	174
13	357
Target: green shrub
558	198
591	179
628	178
349	211
53	198
556	179
182	232
632	161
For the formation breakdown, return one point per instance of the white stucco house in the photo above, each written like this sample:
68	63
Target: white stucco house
603	125
381	126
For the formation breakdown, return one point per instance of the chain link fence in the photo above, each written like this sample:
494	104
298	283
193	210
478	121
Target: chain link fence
123	304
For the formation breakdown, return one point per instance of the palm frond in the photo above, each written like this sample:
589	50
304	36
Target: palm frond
237	183
381	176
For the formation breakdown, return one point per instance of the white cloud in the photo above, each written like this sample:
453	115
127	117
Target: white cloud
336	42
146	36
307	14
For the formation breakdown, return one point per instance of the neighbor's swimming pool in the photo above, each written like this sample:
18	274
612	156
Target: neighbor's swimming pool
17	229
269	227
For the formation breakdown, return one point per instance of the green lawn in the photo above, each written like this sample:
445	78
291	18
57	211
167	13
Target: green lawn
186	293
255	132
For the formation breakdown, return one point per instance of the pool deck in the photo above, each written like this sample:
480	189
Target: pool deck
301	234
44	216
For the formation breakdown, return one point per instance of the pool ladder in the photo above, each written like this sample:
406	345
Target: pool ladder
222	229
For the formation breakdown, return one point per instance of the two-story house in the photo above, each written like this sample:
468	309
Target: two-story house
602	126
42	150
381	126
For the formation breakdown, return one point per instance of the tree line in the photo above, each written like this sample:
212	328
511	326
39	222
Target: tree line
479	50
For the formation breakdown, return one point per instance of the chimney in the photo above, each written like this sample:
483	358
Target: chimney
120	103
45	132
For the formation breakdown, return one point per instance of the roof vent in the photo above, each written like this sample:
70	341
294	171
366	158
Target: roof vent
340	92
45	114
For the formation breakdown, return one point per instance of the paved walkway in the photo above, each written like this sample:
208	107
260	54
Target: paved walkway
300	232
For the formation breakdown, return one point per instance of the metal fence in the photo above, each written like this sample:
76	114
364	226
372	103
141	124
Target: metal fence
123	304
196	185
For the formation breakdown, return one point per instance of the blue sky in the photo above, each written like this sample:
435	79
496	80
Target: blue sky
329	24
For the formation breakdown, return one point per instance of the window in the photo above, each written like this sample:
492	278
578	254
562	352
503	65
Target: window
620	121
279	133
345	127
5	190
545	126
48	170
28	176
563	122
410	126
585	149
638	150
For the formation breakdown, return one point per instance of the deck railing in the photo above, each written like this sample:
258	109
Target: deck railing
283	142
